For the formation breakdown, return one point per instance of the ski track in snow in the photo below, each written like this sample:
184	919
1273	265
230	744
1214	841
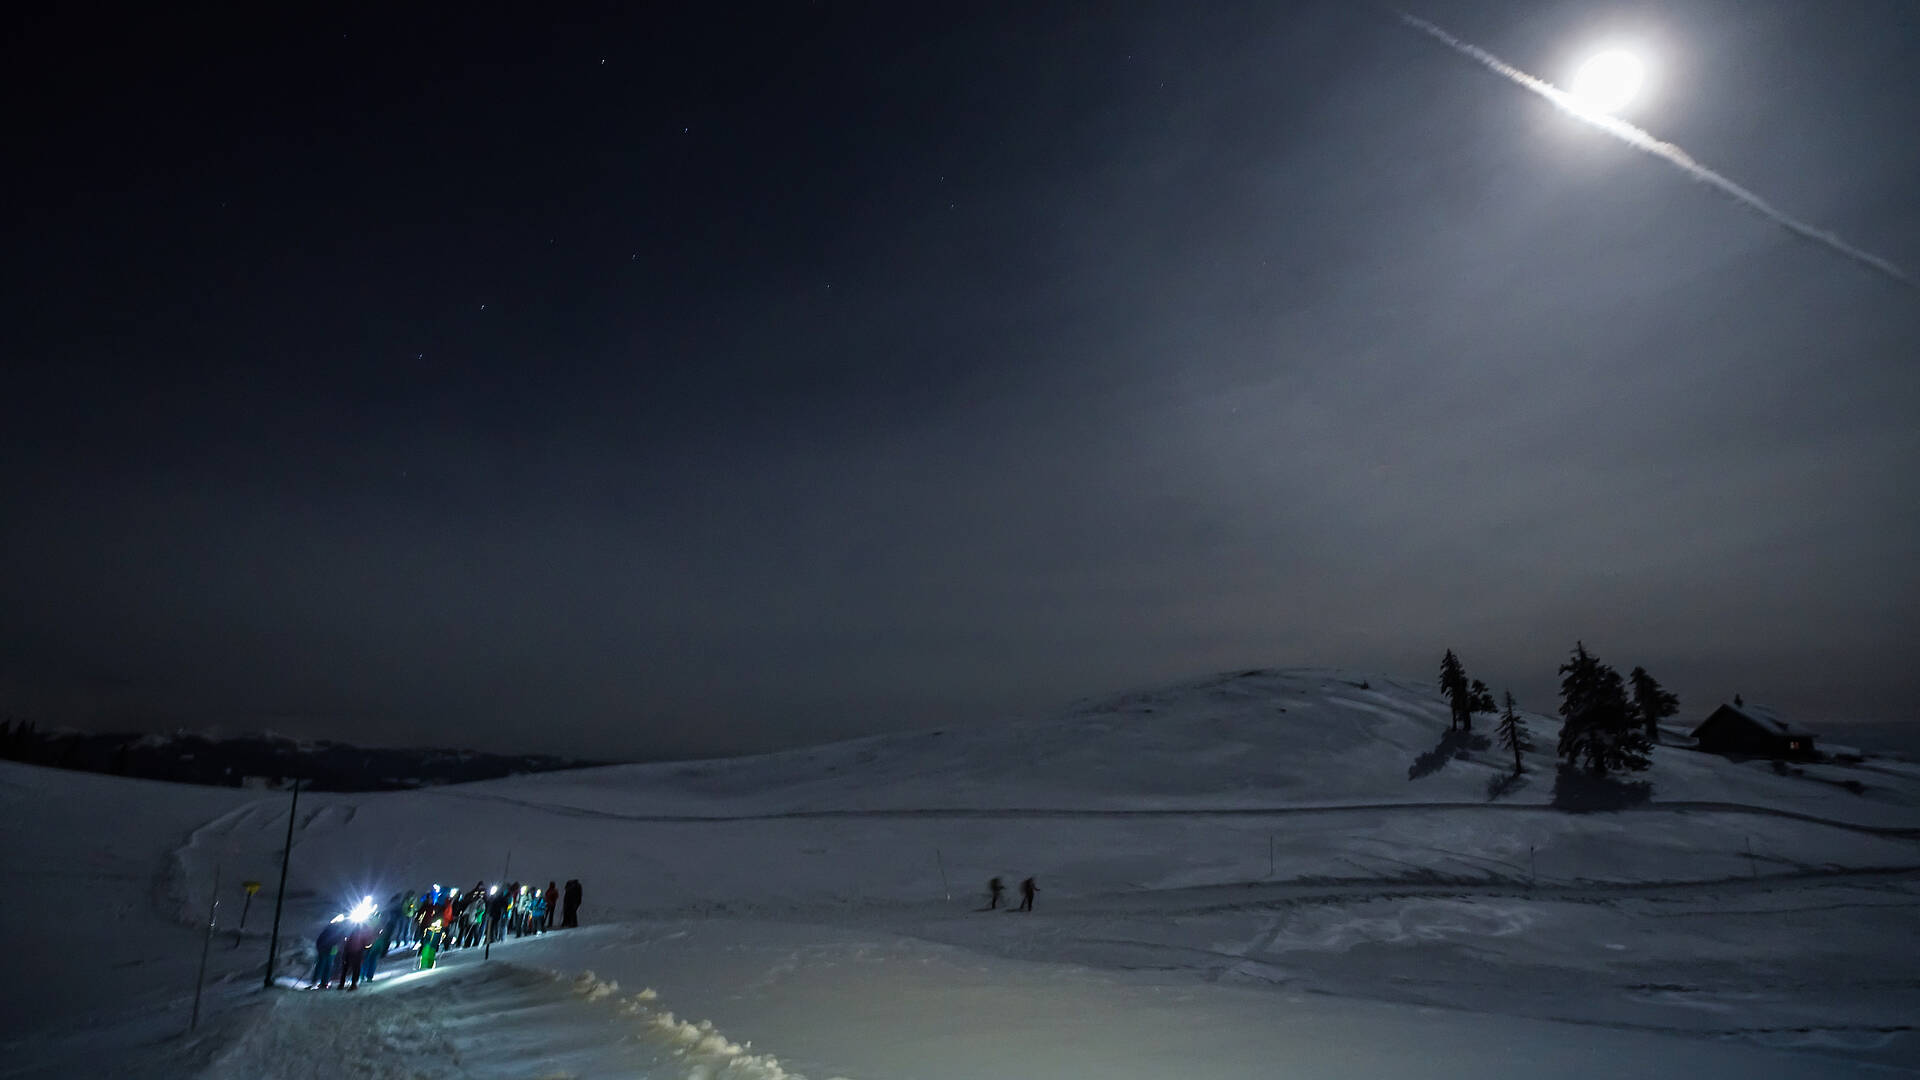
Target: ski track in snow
997	812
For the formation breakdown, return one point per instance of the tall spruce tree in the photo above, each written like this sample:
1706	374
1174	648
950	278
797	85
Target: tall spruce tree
1651	704
1598	730
1513	733
1453	683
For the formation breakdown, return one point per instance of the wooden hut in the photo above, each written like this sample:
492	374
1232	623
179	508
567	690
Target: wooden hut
1751	731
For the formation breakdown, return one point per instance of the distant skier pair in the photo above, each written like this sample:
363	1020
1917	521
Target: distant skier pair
996	888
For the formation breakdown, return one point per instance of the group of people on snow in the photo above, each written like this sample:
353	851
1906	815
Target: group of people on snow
350	946
996	891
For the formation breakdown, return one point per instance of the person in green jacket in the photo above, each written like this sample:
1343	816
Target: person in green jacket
430	943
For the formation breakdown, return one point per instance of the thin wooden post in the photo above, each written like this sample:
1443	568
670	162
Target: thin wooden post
280	898
200	979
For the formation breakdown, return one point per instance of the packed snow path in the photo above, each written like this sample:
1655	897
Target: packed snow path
868	1005
470	1019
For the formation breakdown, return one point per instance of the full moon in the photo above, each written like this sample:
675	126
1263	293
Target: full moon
1608	81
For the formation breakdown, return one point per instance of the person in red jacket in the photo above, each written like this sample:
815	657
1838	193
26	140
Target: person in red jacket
553	901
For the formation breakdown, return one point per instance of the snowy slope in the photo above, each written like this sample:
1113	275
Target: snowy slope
1269	738
1205	858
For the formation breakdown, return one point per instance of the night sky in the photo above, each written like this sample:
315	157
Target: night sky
631	382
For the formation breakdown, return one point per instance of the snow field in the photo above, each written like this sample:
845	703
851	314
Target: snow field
1226	889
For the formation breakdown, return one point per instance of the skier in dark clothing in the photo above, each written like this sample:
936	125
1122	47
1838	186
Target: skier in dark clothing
570	904
353	955
456	918
476	925
382	941
497	900
472	915
391	916
427	911
460	931
1027	889
451	914
553	902
995	888
326	950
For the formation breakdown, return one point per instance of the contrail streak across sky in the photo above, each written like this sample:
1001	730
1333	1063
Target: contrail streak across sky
1640	139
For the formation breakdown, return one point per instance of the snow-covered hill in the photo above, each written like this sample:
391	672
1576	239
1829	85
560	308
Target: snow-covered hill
1253	739
1303	841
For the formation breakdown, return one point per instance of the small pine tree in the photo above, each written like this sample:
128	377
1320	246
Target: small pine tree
1651	704
1479	700
1598	731
1513	733
1453	683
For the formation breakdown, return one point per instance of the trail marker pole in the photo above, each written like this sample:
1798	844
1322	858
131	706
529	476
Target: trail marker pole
945	889
251	887
1532	876
280	898
206	943
1269	854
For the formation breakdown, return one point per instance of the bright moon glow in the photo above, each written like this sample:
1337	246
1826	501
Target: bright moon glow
1609	81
